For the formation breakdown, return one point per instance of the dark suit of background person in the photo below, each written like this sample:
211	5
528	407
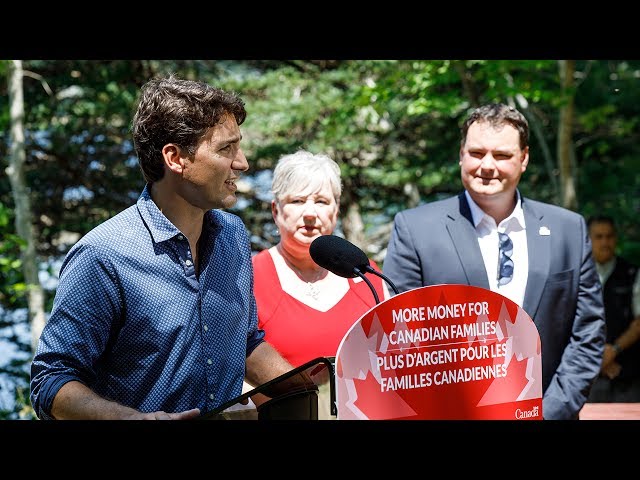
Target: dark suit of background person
439	243
619	379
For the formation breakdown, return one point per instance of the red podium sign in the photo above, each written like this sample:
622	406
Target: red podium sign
444	352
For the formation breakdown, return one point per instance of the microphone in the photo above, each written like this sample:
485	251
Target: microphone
343	258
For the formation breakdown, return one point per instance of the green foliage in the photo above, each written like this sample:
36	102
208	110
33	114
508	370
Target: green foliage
391	124
12	285
607	144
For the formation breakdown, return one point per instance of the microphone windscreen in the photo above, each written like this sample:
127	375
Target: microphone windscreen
338	255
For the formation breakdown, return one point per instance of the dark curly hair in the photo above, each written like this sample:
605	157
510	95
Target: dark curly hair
174	110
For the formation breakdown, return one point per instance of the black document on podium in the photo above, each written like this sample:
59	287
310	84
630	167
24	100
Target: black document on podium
305	393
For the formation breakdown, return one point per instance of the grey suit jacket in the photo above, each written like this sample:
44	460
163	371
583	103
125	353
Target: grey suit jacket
436	244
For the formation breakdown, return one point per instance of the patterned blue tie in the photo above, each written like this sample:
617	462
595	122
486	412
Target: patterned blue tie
505	266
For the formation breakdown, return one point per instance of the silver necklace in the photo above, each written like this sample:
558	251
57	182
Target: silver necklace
311	289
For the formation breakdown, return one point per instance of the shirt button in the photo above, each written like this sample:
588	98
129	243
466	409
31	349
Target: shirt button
206	328
209	361
180	237
211	396
187	263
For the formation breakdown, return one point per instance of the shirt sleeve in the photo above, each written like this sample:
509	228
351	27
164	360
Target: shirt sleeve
86	308
255	335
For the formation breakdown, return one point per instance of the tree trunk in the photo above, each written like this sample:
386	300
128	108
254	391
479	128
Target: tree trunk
565	129
536	129
353	226
24	224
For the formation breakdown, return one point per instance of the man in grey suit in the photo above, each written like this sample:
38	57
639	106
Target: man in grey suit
536	254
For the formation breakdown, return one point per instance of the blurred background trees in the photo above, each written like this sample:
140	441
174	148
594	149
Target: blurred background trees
392	125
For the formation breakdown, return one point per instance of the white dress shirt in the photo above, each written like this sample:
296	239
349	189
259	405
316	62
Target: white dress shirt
487	232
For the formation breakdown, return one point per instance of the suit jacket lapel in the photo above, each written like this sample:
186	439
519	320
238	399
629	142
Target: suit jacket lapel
539	247
465	241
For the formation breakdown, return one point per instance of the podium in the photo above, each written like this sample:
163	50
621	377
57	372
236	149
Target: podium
440	352
305	393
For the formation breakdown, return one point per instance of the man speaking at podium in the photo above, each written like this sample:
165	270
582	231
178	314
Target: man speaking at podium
536	254
154	316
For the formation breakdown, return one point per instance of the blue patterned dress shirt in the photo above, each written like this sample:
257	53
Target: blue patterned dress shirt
132	321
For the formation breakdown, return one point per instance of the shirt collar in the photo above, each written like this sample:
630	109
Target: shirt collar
605	269
159	226
516	218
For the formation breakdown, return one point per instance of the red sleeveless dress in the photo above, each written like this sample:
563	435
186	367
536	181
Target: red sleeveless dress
301	333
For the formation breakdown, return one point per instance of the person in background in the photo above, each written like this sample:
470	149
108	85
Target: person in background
305	310
154	316
536	254
619	378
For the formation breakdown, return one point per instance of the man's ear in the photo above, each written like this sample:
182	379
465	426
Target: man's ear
173	159
525	159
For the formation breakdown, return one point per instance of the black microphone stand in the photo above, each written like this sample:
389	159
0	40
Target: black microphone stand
357	271
370	269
